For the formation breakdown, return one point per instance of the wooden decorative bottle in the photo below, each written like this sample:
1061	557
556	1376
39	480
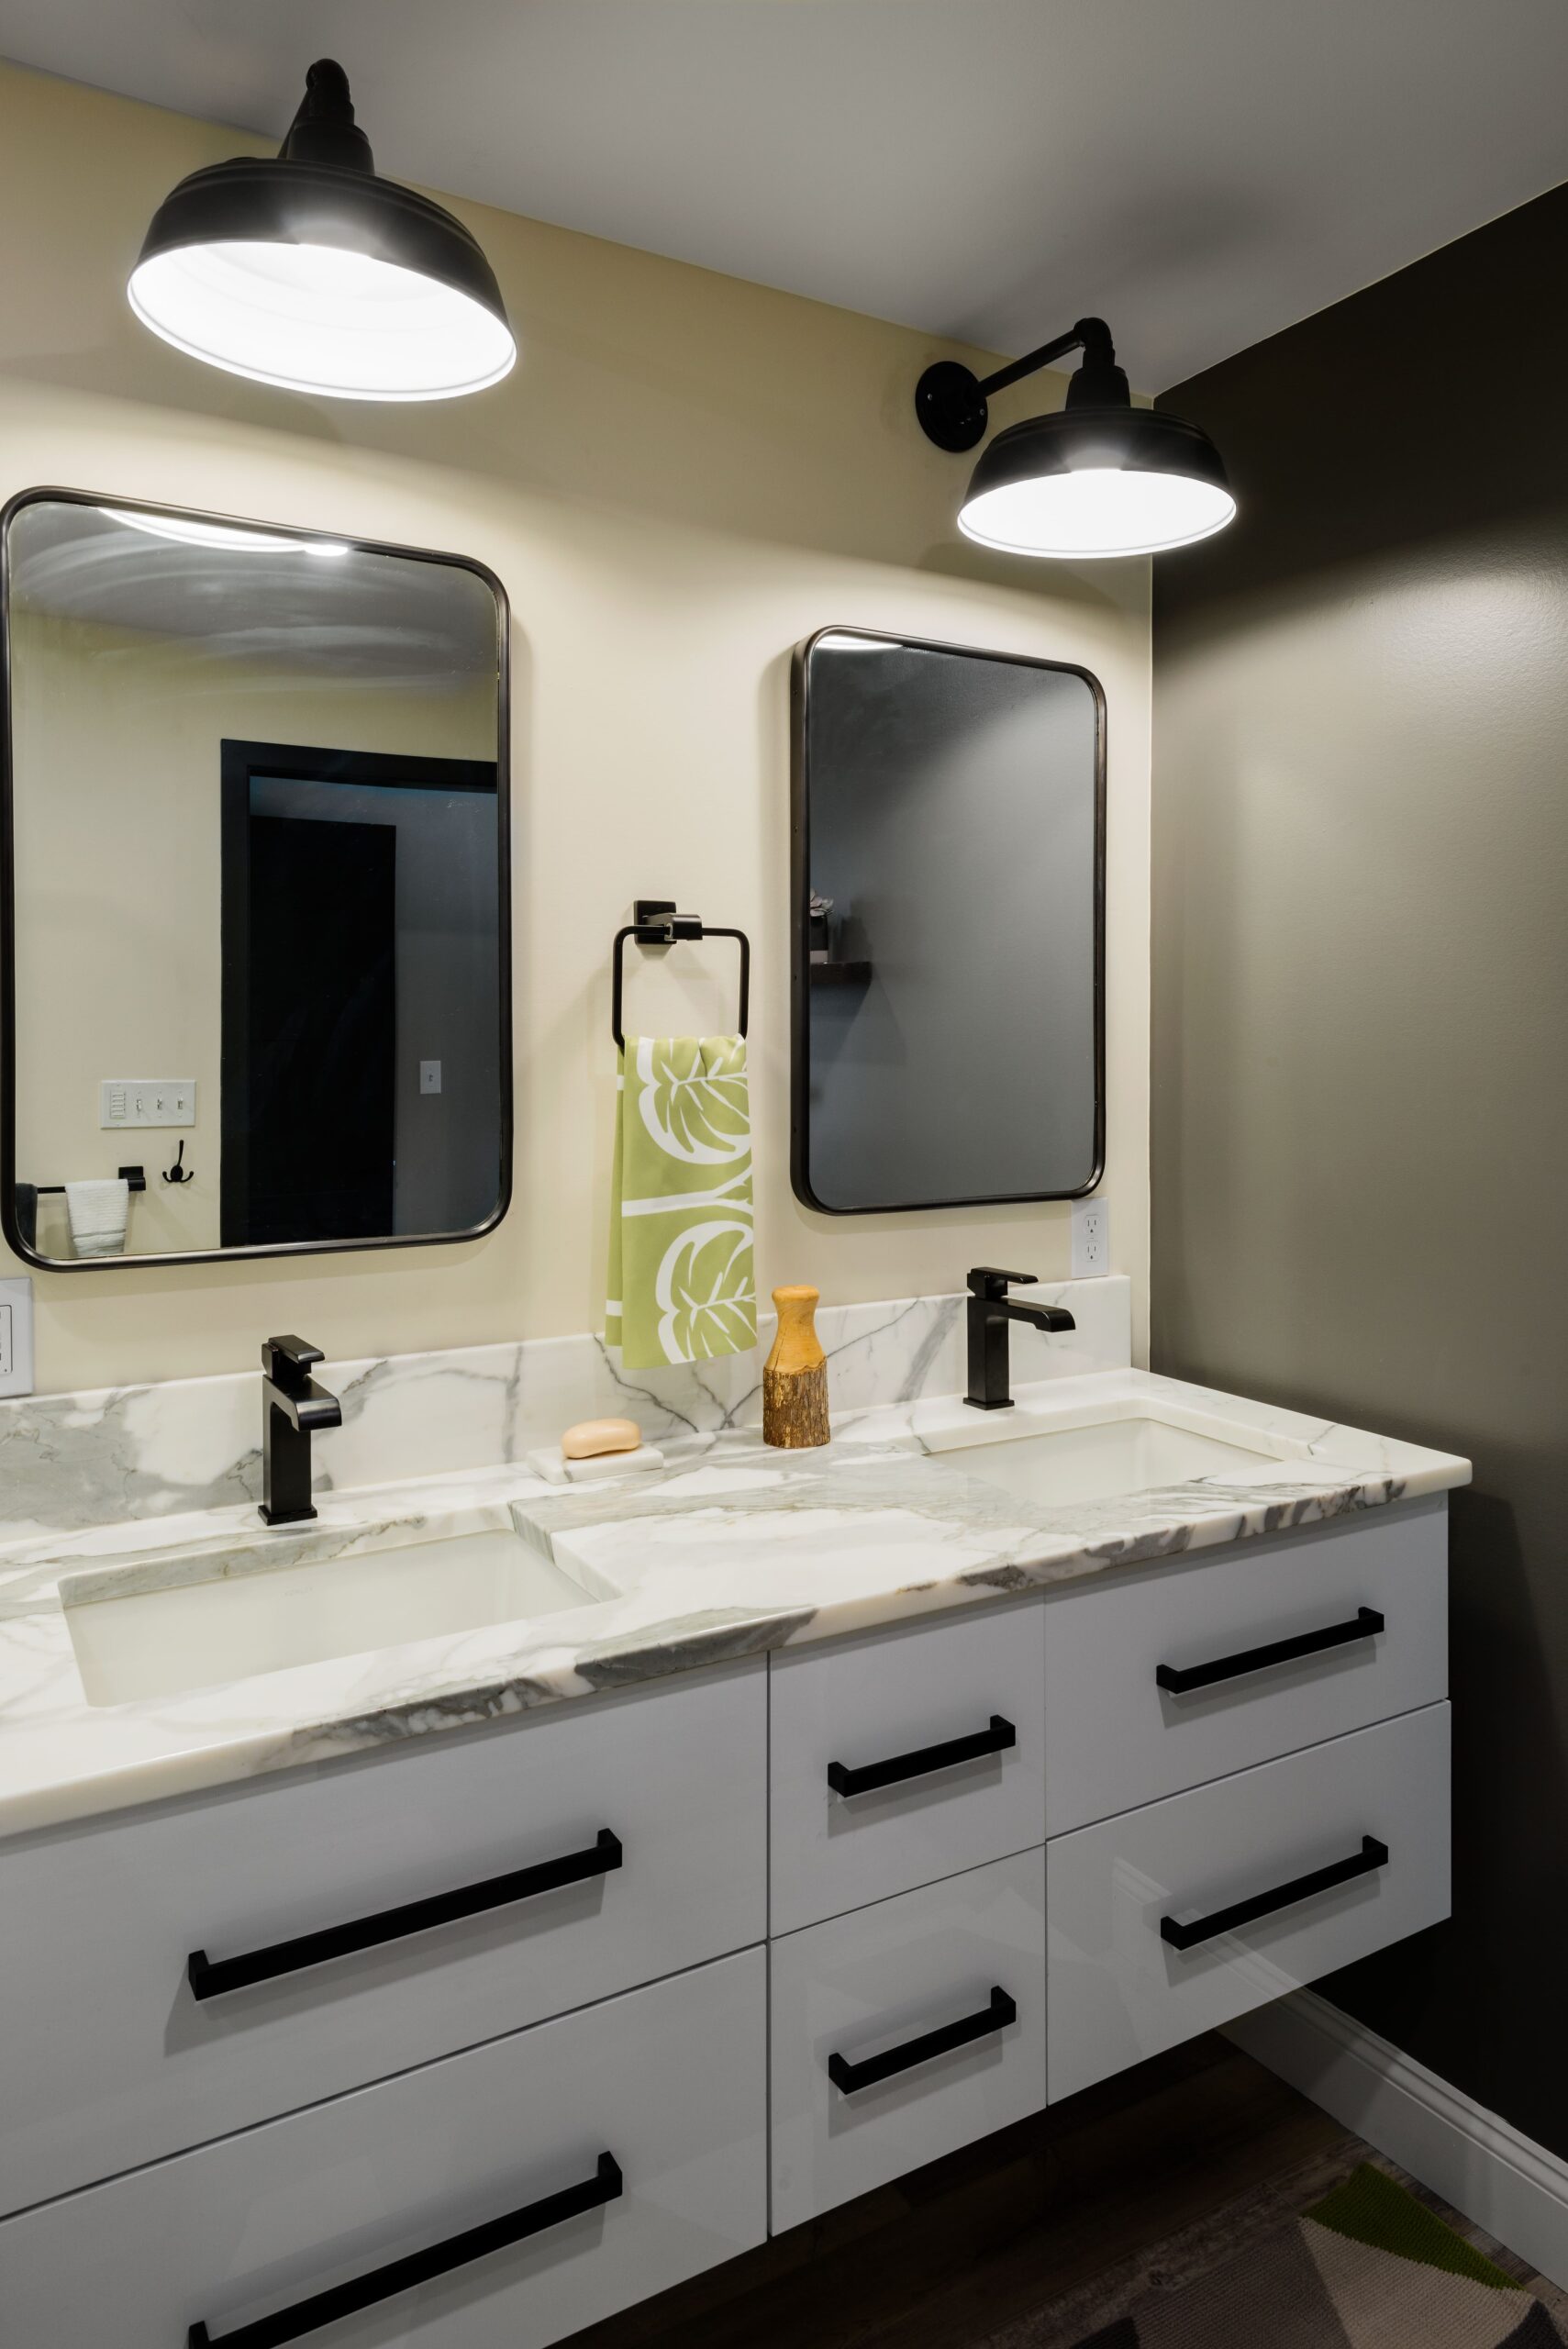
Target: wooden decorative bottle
794	1377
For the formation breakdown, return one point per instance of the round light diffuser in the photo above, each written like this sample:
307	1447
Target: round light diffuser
1100	478
307	271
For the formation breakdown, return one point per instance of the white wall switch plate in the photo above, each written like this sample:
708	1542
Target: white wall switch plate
1091	1239
147	1101
430	1076
15	1337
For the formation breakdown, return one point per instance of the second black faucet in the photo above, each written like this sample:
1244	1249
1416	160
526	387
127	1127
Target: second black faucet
293	1406
990	1311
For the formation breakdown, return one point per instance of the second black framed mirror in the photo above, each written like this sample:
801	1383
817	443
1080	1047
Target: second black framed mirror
947	925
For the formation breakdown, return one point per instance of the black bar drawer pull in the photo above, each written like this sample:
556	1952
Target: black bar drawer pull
419	2266
847	2077
1371	1855
209	1977
995	1740
1363	1625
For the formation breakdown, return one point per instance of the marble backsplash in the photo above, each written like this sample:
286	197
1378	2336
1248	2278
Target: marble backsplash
68	1462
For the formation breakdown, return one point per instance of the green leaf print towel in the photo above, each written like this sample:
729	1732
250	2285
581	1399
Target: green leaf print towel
682	1286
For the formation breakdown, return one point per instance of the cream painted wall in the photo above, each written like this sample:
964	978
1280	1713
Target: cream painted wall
684	476
116	757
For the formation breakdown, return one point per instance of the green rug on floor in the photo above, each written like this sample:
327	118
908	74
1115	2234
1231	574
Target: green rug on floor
1368	2267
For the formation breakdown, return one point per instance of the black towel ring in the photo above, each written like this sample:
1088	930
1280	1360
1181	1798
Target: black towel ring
655	922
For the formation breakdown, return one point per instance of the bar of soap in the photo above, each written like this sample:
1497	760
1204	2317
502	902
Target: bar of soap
602	1467
589	1438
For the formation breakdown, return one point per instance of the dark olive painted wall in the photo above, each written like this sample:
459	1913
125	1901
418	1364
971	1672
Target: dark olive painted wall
1360	1014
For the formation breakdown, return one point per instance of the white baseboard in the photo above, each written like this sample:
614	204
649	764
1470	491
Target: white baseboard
1507	2184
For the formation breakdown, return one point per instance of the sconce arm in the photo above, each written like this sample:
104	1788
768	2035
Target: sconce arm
951	399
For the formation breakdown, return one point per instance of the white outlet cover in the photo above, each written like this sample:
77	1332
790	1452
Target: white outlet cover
430	1076
15	1337
1091	1239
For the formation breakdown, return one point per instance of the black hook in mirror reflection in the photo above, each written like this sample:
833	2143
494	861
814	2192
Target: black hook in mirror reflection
179	1172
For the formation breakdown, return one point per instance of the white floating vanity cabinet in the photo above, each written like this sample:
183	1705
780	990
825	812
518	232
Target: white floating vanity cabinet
484	2037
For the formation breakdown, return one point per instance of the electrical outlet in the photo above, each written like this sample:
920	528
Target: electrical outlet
430	1076
147	1101
15	1337
1091	1239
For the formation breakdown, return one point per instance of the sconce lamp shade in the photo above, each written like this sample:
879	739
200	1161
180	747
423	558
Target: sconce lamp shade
308	270
1099	478
1098	482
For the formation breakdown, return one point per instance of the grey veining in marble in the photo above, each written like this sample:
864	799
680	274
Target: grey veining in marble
69	1462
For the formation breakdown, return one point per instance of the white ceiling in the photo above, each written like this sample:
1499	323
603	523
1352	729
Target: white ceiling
1201	172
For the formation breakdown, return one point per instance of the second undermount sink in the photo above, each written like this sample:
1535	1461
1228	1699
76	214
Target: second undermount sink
1106	1458
160	1627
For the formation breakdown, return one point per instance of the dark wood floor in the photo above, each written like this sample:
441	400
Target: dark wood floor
970	2246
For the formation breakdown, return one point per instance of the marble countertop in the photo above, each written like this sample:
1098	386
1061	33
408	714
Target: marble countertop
730	1550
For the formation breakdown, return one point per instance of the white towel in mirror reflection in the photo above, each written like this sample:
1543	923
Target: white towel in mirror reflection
98	1213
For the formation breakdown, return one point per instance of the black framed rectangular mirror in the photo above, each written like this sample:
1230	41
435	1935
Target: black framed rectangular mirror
947	921
255	882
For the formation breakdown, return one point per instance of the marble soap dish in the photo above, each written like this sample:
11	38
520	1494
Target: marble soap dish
547	1462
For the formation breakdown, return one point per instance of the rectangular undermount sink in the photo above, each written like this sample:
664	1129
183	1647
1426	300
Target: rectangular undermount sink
1104	1459
166	1626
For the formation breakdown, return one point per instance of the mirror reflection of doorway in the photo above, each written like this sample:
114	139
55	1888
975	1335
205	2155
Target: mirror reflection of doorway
339	869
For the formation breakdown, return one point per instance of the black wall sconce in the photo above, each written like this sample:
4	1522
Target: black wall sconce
1099	478
309	270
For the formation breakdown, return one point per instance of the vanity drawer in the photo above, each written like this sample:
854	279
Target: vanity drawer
120	2063
946	1985
1115	1737
669	2081
1120	1989
899	1708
